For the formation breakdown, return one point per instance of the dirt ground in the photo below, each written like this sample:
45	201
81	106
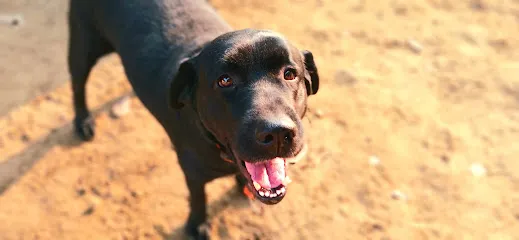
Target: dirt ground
412	136
32	52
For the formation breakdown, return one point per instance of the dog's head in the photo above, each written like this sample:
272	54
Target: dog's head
250	90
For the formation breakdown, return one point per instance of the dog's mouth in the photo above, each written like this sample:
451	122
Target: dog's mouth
268	179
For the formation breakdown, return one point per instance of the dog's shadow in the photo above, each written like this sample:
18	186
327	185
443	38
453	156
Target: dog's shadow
19	164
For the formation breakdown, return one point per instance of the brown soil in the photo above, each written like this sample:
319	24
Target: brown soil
429	87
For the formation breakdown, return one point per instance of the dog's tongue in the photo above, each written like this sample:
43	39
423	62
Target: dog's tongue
268	174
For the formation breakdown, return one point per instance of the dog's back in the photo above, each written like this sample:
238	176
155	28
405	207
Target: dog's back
151	36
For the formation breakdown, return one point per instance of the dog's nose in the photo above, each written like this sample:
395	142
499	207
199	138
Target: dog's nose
275	137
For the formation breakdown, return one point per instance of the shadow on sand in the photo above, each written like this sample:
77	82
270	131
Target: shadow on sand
19	164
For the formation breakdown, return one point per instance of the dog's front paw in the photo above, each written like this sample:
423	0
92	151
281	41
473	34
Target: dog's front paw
85	127
202	232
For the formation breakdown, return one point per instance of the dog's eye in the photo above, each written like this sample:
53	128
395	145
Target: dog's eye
225	81
290	74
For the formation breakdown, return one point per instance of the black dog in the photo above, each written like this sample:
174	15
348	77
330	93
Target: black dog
244	91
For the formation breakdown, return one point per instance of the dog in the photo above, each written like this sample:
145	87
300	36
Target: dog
231	101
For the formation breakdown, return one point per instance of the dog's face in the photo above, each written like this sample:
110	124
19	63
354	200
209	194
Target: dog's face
250	89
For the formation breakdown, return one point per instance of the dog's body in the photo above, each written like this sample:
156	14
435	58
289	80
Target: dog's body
172	52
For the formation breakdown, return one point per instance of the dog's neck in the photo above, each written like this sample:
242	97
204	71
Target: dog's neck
211	139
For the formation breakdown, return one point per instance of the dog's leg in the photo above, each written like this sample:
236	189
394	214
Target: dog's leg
197	225
86	46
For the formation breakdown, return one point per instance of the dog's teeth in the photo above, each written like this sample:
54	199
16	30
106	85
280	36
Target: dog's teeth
283	190
273	195
261	193
278	191
267	194
256	185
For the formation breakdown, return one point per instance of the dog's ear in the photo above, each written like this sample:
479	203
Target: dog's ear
311	75
180	89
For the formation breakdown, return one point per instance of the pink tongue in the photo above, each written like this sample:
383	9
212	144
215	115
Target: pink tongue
269	174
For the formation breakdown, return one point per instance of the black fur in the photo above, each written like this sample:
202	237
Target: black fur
173	53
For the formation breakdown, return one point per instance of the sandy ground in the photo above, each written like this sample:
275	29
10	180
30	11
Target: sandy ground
413	136
32	50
